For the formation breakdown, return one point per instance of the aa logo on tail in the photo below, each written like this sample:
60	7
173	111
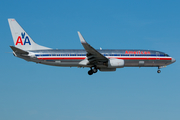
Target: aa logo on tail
23	37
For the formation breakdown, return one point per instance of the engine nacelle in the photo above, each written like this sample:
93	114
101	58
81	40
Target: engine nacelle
115	63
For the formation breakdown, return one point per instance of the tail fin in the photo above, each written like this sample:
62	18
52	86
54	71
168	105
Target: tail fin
21	39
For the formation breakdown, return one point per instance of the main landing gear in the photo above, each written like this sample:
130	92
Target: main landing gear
92	70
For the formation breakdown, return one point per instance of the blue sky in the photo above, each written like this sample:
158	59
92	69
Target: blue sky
34	91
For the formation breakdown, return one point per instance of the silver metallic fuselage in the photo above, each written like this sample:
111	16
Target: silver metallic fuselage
72	57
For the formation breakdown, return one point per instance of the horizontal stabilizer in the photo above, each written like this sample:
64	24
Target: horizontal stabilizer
17	50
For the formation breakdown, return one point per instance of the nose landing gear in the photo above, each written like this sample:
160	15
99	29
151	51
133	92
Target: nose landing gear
158	71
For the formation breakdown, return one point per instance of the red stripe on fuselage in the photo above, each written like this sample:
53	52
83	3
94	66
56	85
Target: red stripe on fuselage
142	58
65	58
124	58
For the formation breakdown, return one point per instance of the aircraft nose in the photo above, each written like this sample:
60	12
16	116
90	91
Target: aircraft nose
173	60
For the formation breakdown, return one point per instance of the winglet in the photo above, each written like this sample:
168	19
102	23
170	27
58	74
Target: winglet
81	38
91	52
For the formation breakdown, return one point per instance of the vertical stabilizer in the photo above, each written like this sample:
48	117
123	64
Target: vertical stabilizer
21	39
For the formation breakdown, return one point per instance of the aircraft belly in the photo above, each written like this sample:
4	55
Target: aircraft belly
145	63
68	63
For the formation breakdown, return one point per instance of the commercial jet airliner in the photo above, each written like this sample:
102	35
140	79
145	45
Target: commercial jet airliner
102	59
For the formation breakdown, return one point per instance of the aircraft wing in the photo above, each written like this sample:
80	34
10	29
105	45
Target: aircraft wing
93	56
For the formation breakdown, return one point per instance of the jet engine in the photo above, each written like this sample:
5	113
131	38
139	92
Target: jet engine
115	63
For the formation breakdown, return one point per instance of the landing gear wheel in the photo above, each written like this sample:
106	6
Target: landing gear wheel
159	71
90	72
94	70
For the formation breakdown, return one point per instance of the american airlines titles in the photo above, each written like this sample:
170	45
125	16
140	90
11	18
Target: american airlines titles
137	52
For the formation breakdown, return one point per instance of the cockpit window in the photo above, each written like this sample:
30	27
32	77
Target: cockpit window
166	55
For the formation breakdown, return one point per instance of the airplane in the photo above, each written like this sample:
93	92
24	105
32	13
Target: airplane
102	59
